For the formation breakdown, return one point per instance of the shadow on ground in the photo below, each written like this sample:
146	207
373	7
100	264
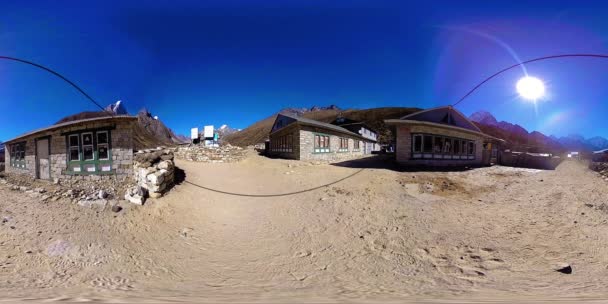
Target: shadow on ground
388	162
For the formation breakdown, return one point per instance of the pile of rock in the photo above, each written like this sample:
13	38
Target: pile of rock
154	173
223	154
601	168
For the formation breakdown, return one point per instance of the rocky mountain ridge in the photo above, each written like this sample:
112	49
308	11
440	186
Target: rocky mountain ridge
520	138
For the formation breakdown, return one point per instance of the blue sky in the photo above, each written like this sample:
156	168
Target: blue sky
236	62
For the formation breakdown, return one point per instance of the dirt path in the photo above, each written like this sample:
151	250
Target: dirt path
379	234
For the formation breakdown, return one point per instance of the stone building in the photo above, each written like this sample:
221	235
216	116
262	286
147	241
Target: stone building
442	137
361	129
306	139
92	149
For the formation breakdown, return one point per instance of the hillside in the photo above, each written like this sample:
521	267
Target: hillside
258	132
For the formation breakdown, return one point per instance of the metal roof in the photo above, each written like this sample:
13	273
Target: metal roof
70	123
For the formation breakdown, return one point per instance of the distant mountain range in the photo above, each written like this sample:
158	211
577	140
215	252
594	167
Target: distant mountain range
520	139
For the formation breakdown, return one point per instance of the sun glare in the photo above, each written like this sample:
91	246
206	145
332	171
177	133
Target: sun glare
530	88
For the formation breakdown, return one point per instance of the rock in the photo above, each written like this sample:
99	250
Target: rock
102	194
56	181
39	190
185	232
22	188
141	191
155	195
28	251
165	165
135	199
166	157
563	268
93	203
116	208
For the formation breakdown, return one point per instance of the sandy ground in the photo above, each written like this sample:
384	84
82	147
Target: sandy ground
379	234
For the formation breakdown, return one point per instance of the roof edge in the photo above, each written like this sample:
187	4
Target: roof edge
70	123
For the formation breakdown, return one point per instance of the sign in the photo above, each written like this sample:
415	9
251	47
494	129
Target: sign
216	136
208	132
194	133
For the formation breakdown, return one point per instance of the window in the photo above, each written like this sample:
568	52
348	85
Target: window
343	144
429	146
102	146
417	143
321	144
18	155
428	143
89	152
282	144
356	145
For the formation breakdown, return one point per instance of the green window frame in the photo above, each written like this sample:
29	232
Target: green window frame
17	151
343	144
432	146
89	152
321	143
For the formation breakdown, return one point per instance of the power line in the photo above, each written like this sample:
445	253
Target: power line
62	77
525	62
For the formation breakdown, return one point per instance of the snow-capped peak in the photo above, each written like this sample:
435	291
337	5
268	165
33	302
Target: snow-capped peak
223	127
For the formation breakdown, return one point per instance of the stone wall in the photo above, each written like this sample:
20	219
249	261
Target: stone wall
154	171
306	146
404	146
199	153
121	150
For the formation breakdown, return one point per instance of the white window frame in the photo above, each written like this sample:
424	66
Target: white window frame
106	145
77	147
84	146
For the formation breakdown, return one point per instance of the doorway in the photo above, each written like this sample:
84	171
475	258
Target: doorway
43	163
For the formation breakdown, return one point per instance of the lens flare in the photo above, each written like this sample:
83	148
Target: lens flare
530	88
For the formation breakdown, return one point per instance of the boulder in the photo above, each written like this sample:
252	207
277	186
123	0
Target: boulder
116	208
102	194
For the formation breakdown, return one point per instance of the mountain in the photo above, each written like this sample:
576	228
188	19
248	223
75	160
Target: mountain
117	108
226	130
149	132
156	127
374	118
518	138
598	143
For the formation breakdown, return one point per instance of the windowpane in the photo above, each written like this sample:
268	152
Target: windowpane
456	146
447	145
471	147
428	143
88	153
74	154
102	138
438	144
87	139
417	143
102	151
73	140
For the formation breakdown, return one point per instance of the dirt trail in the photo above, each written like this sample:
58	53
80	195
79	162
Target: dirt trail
377	235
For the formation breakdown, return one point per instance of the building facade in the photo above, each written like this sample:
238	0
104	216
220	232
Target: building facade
361	129
442	137
306	139
96	148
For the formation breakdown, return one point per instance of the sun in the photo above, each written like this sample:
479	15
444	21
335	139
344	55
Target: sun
530	88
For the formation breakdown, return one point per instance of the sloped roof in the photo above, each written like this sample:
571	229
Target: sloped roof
314	123
70	123
445	115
